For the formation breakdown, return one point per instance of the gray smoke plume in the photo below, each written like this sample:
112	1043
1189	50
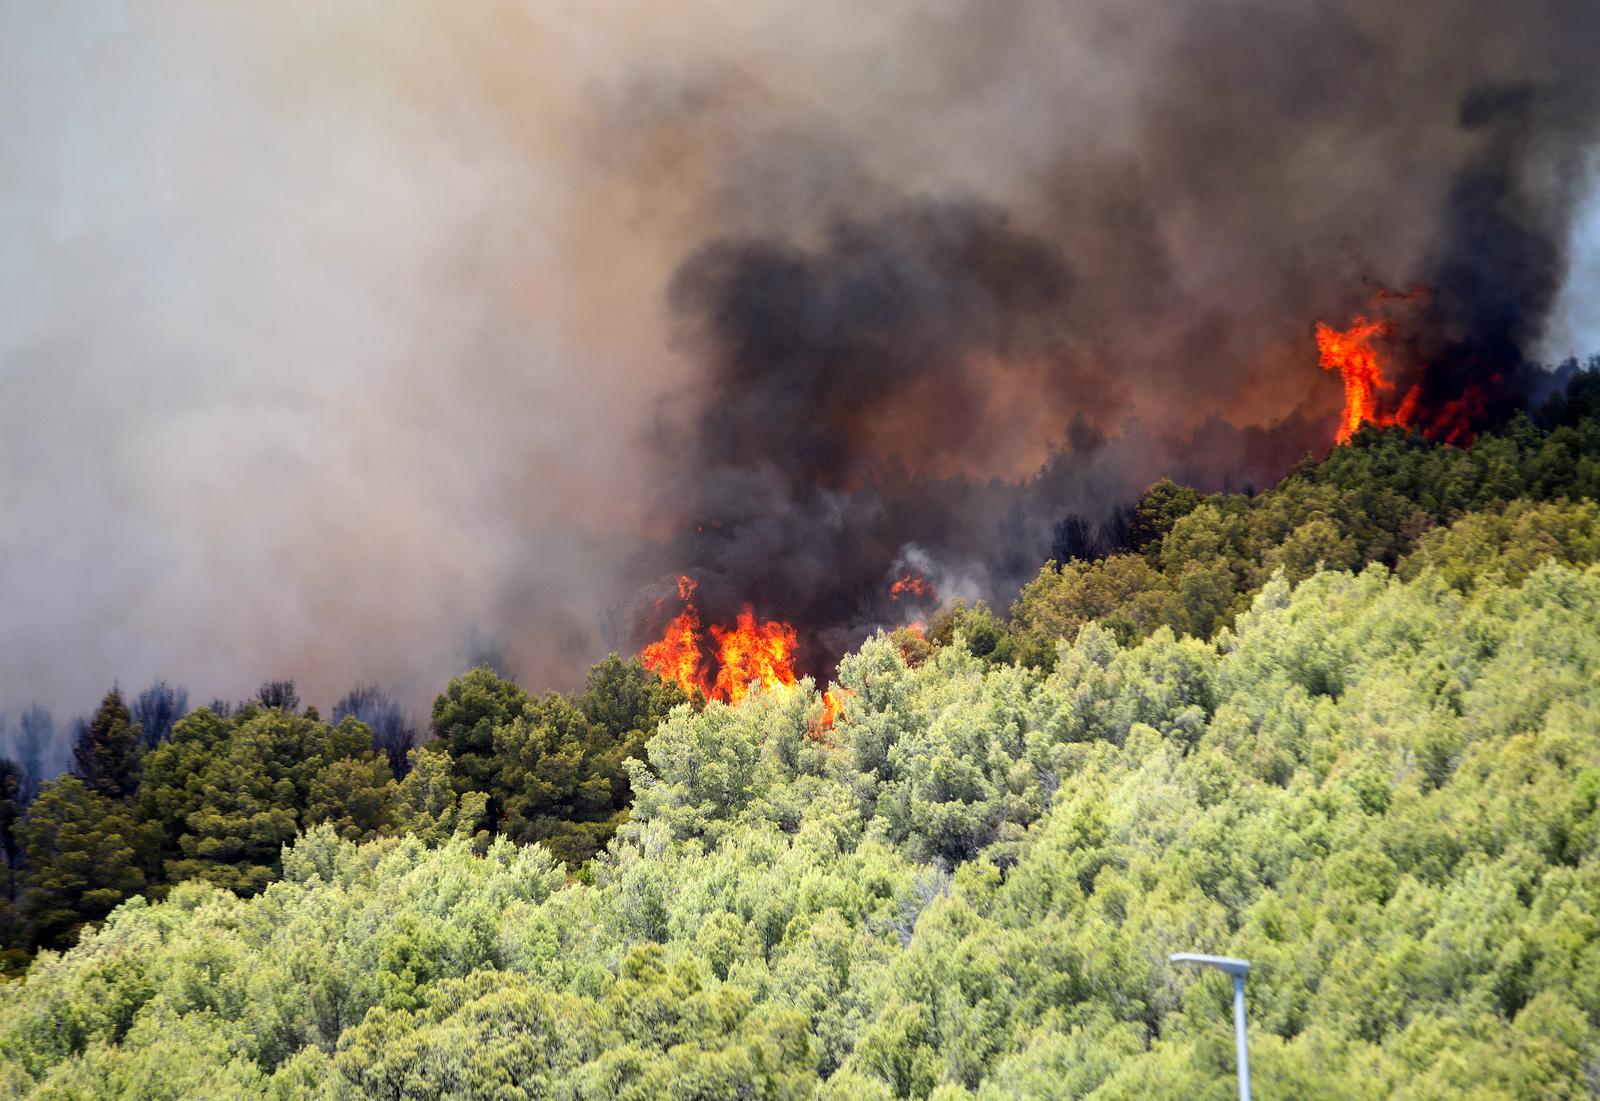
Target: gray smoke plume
349	342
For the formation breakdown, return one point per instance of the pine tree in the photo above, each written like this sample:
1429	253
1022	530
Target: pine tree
465	717
85	855
392	732
157	709
279	694
38	729
12	782
106	754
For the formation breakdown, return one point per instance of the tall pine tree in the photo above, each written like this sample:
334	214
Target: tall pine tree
106	754
86	854
12	785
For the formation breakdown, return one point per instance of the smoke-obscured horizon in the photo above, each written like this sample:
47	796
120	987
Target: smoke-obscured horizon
354	343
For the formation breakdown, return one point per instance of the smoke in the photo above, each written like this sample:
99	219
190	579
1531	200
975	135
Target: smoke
350	342
303	375
1573	329
984	379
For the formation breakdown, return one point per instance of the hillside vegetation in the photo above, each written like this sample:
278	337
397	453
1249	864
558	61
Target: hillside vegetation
1192	562
1348	728
219	796
1385	792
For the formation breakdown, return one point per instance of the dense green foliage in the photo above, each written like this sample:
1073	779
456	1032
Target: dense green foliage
229	793
552	766
1195	561
219	798
1385	792
84	857
13	782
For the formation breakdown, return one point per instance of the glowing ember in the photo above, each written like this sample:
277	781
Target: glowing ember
748	654
1454	419
911	585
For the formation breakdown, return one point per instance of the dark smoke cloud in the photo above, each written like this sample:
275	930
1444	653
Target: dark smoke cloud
350	342
972	385
905	397
821	363
1501	257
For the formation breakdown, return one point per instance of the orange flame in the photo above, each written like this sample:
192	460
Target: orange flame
748	654
752	654
676	654
832	711
1350	352
833	706
910	585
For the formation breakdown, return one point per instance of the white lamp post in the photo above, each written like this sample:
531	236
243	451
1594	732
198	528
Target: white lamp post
1238	969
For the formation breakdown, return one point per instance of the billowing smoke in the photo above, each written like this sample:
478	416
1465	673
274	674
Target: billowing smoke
1501	259
908	395
982	382
355	342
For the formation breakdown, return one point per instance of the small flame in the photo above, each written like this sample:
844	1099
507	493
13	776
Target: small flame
832	711
1453	423
911	585
747	655
833	706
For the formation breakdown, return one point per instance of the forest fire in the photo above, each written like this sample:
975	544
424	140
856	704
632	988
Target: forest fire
747	655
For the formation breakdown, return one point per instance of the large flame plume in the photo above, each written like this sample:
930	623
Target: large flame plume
752	655
1350	352
723	662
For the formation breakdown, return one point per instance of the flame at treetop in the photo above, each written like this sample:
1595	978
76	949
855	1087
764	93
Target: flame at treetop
832	706
747	654
833	702
910	585
676	654
751	654
1369	386
1350	352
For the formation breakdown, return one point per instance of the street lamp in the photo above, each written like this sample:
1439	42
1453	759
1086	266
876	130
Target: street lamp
1238	969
